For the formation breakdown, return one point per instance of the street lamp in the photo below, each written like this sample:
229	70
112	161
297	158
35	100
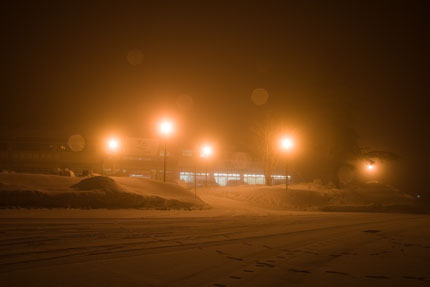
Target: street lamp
370	167
165	128
287	144
205	153
113	146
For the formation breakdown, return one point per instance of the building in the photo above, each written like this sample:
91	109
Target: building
138	157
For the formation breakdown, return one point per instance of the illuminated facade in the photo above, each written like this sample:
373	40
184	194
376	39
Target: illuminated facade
139	158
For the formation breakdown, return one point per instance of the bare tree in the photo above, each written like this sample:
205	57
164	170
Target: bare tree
345	150
265	135
371	155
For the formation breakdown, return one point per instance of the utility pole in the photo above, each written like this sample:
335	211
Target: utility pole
206	176
165	155
286	173
195	180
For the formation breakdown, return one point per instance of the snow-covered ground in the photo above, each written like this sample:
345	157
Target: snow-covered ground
250	236
284	249
372	197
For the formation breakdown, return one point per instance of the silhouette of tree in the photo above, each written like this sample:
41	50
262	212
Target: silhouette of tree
265	133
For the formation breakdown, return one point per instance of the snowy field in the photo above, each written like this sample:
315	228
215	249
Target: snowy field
212	248
245	237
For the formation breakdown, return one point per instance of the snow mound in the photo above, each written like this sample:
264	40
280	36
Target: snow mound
312	197
273	197
41	182
52	191
98	183
373	197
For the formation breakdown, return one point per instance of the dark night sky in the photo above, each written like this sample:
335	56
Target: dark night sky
66	69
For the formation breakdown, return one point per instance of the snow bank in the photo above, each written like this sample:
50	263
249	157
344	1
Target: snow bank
373	197
98	183
364	197
273	197
52	191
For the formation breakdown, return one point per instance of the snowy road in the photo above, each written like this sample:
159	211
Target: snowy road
296	249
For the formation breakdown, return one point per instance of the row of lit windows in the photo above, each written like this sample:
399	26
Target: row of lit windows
234	175
223	178
192	173
254	180
227	174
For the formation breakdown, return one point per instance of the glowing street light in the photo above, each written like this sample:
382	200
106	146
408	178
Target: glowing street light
113	145
370	167
206	152
166	129
287	144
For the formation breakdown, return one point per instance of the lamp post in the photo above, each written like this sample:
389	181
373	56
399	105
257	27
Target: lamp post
113	146
195	180
370	166
205	153
166	128
286	145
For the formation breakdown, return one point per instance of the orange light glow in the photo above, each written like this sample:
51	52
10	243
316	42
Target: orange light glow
206	151
287	144
113	144
166	127
370	167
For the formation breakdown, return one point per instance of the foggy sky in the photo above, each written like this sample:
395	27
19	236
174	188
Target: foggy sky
66	69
